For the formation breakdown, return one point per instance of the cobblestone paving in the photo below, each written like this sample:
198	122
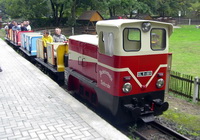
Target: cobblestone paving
29	110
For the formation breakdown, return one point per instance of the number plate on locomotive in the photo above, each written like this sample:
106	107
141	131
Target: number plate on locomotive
144	73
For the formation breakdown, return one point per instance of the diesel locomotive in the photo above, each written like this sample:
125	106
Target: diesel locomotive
124	69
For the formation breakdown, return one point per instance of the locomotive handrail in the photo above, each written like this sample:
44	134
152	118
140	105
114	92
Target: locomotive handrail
96	67
82	62
79	60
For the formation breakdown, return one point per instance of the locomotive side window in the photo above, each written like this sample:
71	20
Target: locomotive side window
106	43
158	39
132	39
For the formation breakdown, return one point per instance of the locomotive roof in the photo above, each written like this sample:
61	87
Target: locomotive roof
91	39
119	22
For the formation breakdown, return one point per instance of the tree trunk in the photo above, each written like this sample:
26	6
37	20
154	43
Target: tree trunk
114	13
110	11
57	12
73	12
61	14
131	14
52	7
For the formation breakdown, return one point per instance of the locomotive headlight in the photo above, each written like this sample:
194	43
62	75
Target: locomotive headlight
160	83
127	87
146	26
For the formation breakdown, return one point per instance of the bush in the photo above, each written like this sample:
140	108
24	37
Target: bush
46	22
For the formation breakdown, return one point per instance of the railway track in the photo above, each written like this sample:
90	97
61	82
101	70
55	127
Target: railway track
156	131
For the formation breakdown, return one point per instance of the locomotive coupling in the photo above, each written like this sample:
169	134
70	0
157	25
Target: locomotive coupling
135	111
160	105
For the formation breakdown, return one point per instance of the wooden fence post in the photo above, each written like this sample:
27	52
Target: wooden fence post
195	95
169	62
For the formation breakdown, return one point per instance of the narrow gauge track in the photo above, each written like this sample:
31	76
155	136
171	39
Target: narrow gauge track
157	131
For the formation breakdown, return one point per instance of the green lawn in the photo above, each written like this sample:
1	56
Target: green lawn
185	46
2	33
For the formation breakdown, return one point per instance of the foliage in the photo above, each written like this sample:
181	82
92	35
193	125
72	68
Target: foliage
26	9
58	9
125	7
130	5
195	7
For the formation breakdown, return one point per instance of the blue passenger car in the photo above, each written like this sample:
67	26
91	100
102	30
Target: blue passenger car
28	43
24	41
32	43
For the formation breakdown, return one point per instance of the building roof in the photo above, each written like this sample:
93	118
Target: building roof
143	16
91	16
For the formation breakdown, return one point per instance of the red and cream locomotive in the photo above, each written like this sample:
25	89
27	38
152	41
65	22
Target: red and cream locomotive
124	68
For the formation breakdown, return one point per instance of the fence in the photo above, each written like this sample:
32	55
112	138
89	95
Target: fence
185	85
199	92
185	21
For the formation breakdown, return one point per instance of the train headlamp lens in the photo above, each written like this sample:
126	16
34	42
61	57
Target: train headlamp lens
127	87
146	26
160	83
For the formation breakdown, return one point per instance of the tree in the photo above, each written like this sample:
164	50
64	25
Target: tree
25	8
129	6
195	7
2	9
74	5
64	7
113	6
134	5
58	7
147	6
171	7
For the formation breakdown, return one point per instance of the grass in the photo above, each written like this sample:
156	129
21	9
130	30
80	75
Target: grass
191	122
185	46
2	33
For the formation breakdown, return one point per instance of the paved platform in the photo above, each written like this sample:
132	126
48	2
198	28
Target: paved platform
34	107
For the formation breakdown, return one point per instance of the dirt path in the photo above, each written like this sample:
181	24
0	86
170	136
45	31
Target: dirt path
182	105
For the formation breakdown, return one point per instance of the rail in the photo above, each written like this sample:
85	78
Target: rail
168	131
138	135
152	130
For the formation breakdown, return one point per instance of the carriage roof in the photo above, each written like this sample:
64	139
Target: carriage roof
91	39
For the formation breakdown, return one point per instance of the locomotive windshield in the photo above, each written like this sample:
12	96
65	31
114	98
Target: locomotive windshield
158	39
132	39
